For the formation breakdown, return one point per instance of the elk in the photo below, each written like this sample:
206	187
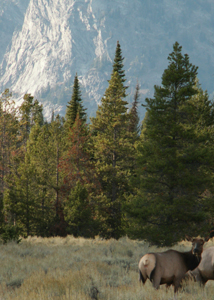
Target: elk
205	270
169	267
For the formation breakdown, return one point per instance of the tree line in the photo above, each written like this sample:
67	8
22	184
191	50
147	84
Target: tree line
114	176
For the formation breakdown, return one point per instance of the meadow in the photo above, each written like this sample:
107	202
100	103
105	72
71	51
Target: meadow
83	269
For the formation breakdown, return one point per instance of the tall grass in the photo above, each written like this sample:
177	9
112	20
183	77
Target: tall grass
83	269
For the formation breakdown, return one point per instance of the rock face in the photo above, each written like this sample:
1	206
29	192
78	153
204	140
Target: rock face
48	41
11	20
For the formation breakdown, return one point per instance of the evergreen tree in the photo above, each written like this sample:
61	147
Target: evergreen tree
8	144
37	114
79	213
38	151
134	118
8	136
113	152
80	184
76	164
45	147
30	113
18	193
74	106
175	158
20	199
118	64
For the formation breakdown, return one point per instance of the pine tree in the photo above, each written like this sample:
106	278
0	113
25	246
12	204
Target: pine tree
118	64
113	151
46	147
134	118
40	155
74	106
175	158
20	199
8	136
37	114
79	213
8	144
76	164
80	183
30	113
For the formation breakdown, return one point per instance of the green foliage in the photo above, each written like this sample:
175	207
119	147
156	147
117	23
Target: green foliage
46	147
133	114
80	181
79	213
30	113
20	199
113	154
74	106
8	141
175	158
10	233
108	178
118	63
76	164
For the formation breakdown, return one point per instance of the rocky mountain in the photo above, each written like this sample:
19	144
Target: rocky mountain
45	42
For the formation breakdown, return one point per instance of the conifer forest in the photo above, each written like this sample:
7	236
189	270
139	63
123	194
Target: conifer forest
112	176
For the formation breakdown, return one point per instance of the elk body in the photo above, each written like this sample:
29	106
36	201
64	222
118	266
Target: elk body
205	270
169	267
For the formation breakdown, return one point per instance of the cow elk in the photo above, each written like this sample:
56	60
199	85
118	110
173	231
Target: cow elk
169	267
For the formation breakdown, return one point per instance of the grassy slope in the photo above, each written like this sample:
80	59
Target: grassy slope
70	268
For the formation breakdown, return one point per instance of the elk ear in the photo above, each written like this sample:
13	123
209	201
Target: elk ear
188	238
211	233
206	239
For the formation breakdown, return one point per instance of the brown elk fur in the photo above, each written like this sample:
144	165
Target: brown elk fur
205	270
169	267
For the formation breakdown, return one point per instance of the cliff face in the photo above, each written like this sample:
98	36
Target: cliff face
11	19
48	41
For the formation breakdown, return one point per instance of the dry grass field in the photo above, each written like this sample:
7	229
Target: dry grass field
83	269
